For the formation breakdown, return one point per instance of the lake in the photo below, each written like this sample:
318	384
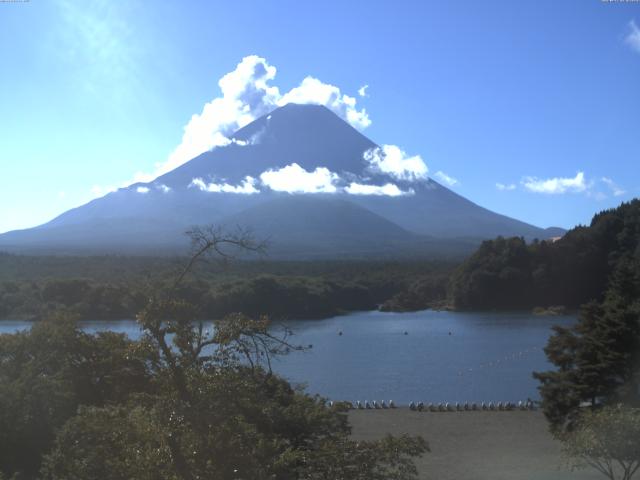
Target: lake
443	357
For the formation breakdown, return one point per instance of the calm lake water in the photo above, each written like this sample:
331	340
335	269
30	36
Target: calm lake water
487	356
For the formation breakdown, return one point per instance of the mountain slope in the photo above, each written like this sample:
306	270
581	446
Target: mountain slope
153	215
314	226
309	135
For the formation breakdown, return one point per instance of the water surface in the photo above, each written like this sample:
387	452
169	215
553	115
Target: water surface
428	356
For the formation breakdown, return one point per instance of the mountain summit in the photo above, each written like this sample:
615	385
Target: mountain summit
311	136
301	176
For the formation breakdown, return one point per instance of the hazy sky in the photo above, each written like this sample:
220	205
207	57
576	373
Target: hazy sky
528	108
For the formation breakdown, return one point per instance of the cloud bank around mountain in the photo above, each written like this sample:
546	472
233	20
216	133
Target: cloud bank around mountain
247	93
247	187
393	161
444	178
295	179
312	90
388	189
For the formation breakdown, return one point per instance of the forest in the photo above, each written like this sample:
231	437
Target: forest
503	274
113	287
510	274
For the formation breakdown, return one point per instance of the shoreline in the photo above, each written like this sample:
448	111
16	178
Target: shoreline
345	313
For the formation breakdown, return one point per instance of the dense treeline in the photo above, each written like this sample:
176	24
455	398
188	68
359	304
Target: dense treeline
428	291
597	360
508	273
112	288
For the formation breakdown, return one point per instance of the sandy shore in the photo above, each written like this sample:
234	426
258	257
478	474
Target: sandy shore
475	445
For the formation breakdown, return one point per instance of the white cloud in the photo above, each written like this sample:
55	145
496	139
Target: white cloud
391	160
443	177
613	186
247	94
142	189
247	187
556	185
199	183
163	188
313	91
633	37
388	189
507	187
295	179
362	91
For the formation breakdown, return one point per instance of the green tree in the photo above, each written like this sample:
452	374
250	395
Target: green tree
607	440
597	359
217	410
46	373
576	269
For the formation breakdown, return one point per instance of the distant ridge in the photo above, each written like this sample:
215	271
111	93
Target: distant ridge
432	221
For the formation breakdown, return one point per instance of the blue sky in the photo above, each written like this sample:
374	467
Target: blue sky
533	107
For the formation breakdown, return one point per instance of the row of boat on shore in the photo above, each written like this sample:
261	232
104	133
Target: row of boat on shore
440	407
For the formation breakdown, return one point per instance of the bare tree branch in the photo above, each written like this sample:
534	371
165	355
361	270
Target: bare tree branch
226	245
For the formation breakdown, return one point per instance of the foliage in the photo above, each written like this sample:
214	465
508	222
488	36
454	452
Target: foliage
426	292
189	400
511	274
598	359
607	440
219	414
113	288
46	373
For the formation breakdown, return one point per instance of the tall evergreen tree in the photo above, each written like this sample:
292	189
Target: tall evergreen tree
597	359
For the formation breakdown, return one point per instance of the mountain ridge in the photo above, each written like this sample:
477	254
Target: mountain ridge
311	136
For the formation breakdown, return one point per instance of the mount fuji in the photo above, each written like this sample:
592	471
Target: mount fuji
301	177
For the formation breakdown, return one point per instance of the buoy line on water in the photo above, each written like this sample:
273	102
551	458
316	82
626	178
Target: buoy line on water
501	361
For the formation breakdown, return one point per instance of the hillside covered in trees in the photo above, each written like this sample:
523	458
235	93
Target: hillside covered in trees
508	273
114	287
